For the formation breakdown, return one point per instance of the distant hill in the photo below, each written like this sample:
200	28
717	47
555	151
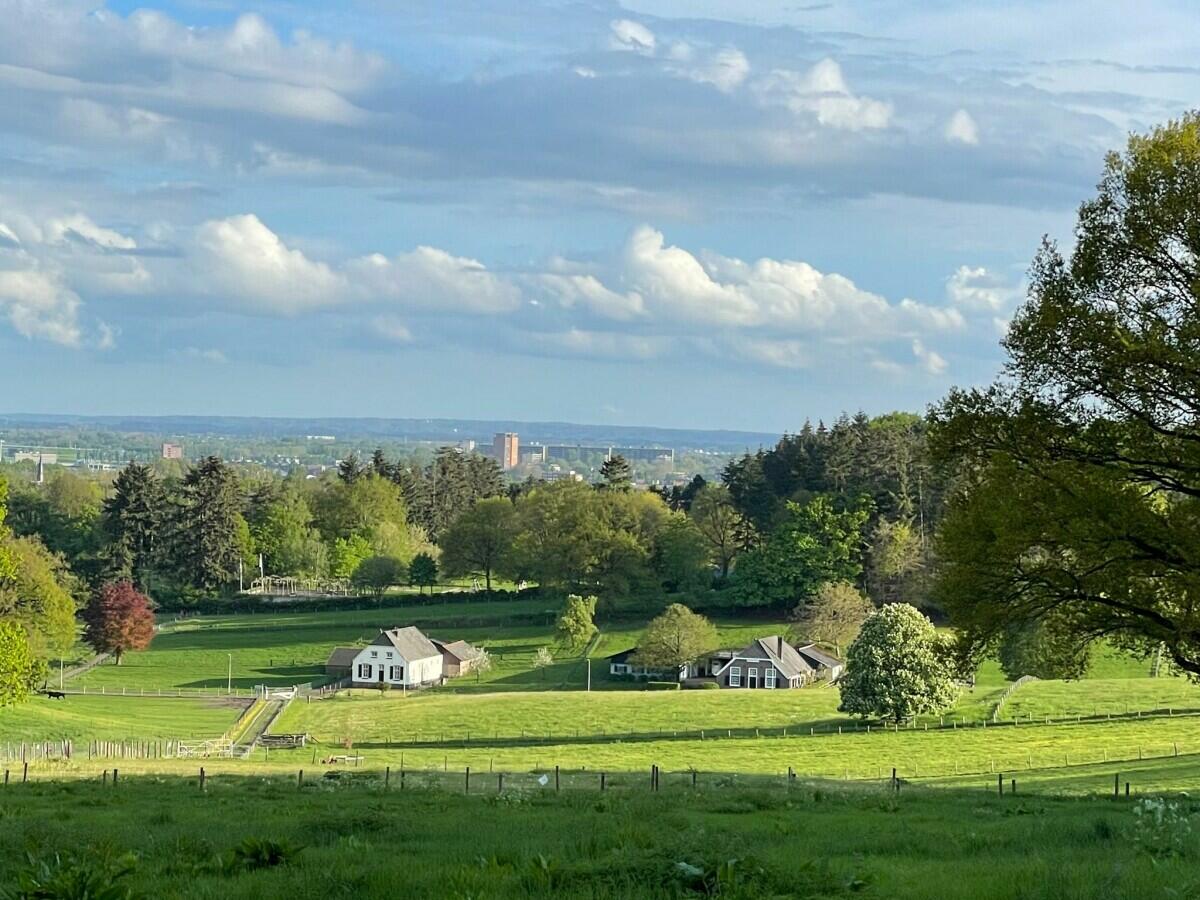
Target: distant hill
408	429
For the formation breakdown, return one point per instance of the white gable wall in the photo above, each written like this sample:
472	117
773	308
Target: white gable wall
371	660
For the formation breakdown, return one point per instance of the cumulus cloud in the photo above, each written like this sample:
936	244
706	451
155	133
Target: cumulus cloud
244	259
78	227
823	92
724	69
626	34
38	305
930	361
961	129
432	279
979	290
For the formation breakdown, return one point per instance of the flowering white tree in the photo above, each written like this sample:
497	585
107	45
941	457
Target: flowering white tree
898	667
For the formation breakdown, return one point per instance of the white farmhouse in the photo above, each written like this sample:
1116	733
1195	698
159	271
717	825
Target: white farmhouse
400	657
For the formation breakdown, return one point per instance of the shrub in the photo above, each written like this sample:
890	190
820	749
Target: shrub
707	686
91	874
662	685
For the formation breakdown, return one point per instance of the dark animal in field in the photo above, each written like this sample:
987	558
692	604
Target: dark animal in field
56	695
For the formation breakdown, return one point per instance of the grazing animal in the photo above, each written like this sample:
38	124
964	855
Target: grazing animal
56	695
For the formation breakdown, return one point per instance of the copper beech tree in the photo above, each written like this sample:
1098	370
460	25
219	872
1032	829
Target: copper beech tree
118	620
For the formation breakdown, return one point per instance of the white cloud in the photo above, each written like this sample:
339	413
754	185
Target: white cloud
79	227
962	129
208	355
626	34
588	291
724	69
433	280
929	360
38	305
822	91
596	344
979	290
391	329
242	258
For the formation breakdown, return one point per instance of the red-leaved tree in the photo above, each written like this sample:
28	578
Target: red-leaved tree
118	620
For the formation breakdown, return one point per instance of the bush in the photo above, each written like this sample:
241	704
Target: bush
662	685
706	686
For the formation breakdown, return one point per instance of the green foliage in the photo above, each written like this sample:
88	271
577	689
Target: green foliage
208	539
133	520
480	539
576	623
19	670
662	685
833	615
682	556
286	537
255	853
1081	471
616	474
676	637
38	595
897	667
1044	650
812	544
77	875
378	573
724	528
348	554
423	571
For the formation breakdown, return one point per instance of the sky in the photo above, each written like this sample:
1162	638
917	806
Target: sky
697	213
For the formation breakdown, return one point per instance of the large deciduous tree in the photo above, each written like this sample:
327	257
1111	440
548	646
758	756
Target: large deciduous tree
20	670
676	637
576	623
378	573
898	667
727	531
833	615
423	571
118	619
1080	486
812	544
479	539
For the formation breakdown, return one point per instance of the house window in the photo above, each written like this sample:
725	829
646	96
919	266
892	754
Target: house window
374	653
735	676
770	676
397	673
388	654
364	670
752	679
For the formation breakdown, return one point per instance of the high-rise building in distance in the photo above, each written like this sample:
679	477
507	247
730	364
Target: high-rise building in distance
172	451
506	450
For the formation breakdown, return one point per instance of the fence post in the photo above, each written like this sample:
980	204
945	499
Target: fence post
300	779
202	778
1000	783
387	776
467	781
114	777
500	783
1116	785
25	773
556	779
602	779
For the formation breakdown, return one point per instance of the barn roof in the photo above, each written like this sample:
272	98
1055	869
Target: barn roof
460	650
342	657
818	657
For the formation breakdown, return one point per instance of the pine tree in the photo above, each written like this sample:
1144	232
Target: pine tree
207	530
132	522
617	473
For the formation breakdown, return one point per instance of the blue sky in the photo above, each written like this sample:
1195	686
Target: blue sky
701	213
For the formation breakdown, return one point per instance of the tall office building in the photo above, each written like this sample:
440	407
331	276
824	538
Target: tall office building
172	451
506	449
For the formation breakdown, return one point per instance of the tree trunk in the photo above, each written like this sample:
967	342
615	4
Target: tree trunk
487	577
117	655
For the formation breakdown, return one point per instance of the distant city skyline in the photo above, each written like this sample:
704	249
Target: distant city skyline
655	212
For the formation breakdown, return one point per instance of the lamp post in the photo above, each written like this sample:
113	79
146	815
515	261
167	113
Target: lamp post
229	678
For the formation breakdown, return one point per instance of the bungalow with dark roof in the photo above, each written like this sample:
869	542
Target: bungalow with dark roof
771	662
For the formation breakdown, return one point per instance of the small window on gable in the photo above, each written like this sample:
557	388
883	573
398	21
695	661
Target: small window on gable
374	653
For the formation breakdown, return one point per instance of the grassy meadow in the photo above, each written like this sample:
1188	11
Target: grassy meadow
82	718
265	837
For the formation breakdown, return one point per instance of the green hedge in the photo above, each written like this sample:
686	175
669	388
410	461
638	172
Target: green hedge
662	685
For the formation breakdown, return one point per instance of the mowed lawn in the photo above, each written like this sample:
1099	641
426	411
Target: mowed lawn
109	718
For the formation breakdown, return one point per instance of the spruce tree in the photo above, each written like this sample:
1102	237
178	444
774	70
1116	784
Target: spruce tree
208	521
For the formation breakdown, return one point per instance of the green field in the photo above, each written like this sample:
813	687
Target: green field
81	718
353	838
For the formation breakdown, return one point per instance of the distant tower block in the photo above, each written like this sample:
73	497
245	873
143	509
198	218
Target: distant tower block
41	470
506	449
172	451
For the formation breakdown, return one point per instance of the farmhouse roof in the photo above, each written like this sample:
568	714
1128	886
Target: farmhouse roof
460	650
343	657
622	656
818	657
411	643
782	655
